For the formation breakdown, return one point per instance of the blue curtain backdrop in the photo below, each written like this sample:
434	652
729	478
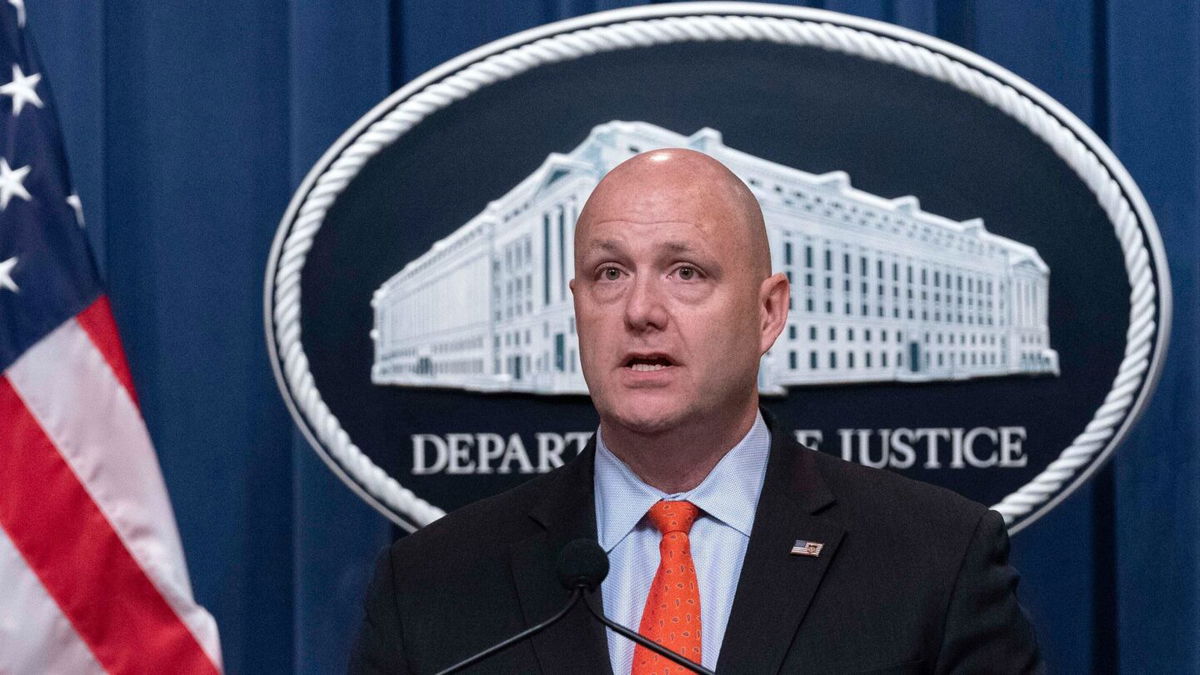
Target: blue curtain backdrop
189	124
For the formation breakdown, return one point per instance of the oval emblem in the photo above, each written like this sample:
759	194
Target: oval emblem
979	291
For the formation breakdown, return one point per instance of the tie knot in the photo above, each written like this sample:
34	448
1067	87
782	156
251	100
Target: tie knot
673	516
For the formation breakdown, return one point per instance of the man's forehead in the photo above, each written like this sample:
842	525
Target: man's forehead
674	192
678	235
668	244
654	200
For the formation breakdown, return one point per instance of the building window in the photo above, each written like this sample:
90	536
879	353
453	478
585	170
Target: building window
792	360
833	360
787	253
812	360
792	332
546	258
850	360
562	256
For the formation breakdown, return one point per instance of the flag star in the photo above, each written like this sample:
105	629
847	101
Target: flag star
20	5
77	204
10	183
6	280
21	89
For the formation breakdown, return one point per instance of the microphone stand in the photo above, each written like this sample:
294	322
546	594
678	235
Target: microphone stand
582	566
649	644
576	594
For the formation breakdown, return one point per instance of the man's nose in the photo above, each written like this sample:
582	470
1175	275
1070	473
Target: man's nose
644	308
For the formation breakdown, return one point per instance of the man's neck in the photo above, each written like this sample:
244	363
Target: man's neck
679	459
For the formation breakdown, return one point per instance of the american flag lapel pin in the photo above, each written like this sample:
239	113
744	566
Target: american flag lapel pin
811	549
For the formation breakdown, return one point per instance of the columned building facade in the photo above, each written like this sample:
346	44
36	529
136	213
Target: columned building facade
881	290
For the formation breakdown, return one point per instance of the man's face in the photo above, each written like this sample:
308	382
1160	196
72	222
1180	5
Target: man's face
668	307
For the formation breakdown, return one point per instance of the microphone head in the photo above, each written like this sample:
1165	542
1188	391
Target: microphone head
582	564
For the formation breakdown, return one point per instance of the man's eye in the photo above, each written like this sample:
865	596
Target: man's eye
687	273
610	274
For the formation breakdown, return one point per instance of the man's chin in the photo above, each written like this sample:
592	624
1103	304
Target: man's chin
646	421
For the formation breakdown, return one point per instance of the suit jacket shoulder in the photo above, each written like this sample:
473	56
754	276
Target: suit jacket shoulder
481	574
900	564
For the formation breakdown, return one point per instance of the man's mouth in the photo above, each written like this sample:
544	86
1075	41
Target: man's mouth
648	363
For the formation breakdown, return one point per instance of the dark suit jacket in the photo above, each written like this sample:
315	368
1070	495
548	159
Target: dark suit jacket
912	578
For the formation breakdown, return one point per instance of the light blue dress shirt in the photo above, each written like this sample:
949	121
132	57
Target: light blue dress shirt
727	499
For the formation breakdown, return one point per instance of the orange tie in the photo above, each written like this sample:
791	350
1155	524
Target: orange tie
672	613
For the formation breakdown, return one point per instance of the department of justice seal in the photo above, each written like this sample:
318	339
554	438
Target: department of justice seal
979	291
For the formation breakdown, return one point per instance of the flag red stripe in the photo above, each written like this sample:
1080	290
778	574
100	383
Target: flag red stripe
79	558
97	322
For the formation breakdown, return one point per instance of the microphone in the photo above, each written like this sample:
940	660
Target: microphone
589	559
582	565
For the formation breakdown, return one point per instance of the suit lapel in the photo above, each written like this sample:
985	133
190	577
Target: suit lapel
567	512
775	587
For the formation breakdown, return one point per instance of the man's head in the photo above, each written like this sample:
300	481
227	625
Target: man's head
674	298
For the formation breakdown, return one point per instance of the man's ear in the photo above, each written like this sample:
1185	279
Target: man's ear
773	305
571	285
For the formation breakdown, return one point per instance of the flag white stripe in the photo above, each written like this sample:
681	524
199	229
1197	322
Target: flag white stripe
54	647
70	389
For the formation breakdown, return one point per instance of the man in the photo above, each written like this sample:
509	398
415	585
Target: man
729	543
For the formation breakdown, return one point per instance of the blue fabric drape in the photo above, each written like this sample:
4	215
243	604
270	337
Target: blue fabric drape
188	125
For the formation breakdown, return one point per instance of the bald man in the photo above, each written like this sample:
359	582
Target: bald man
728	542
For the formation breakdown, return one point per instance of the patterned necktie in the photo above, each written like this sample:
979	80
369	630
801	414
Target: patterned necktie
672	613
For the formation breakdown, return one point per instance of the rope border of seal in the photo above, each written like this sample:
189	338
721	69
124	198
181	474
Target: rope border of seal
285	311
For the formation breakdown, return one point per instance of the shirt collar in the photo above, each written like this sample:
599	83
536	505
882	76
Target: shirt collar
729	493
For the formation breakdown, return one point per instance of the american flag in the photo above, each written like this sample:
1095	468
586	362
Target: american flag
92	575
808	548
